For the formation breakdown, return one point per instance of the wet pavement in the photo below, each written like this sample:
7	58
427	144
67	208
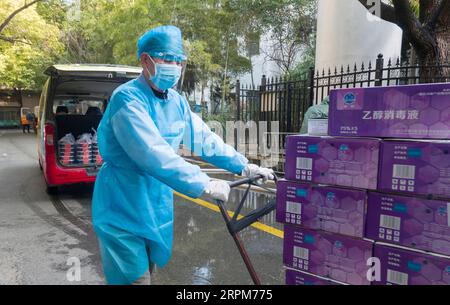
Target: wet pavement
40	233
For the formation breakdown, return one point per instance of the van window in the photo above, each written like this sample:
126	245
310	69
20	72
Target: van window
77	106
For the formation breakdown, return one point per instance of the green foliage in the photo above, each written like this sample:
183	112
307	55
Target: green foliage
22	66
222	100
36	45
200	66
415	4
53	11
222	117
220	35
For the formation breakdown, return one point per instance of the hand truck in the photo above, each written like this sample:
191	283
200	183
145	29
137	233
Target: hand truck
236	225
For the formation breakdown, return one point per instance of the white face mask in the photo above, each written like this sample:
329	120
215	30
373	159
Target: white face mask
166	75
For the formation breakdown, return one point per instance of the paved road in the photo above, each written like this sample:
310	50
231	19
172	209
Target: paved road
40	233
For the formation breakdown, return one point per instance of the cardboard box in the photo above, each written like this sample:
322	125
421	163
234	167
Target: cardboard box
415	167
334	256
318	127
418	111
351	162
294	277
409	221
332	209
402	266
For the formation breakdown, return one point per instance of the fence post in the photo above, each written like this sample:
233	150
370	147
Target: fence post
379	71
238	100
289	108
262	88
311	86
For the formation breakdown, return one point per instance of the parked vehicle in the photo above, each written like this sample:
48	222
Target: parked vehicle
71	105
10	117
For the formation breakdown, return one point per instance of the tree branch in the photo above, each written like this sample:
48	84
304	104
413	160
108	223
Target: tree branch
405	13
420	37
13	14
436	13
14	40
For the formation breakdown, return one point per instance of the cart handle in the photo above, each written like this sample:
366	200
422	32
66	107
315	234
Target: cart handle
250	180
233	224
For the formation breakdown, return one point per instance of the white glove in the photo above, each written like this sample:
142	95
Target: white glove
218	189
252	170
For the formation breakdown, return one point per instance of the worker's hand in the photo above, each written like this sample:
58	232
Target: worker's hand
218	189
252	170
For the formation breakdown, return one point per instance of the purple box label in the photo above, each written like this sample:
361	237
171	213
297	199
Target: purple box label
405	267
294	277
351	162
409	221
333	256
418	111
336	210
416	167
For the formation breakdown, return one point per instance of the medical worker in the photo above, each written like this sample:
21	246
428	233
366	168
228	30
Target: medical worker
139	135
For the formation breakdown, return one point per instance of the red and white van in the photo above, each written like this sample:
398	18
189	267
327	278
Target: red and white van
73	100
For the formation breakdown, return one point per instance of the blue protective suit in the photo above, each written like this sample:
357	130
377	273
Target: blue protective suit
133	199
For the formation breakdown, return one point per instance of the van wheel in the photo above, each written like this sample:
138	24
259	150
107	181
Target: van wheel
52	190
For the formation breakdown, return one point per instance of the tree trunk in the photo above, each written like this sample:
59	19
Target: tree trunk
429	34
438	73
8	19
440	32
224	82
202	96
443	38
17	92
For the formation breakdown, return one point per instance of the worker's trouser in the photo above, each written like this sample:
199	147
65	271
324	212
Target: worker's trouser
125	256
146	279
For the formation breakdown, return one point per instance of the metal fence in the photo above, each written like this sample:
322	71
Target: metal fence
286	100
382	73
277	99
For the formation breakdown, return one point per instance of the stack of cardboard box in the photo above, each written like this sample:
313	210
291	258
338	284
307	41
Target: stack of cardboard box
369	204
